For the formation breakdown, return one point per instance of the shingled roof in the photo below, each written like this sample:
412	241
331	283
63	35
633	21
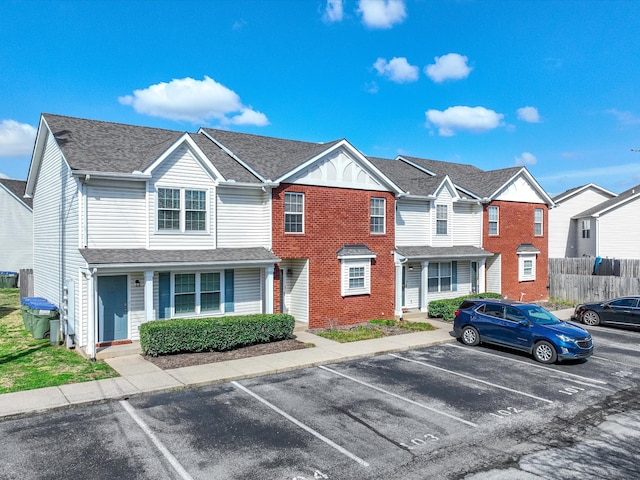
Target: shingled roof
611	203
17	188
108	147
270	157
407	177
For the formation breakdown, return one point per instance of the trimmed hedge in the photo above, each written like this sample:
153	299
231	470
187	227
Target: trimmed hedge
164	337
446	308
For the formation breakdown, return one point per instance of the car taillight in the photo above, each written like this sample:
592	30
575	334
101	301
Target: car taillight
456	313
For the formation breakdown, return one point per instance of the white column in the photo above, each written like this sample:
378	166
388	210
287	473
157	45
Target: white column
398	290
92	320
424	286
268	289
148	296
482	274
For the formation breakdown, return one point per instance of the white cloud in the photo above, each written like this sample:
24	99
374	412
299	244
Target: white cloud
529	114
16	139
192	100
625	118
474	119
526	158
397	69
451	66
334	11
371	87
382	13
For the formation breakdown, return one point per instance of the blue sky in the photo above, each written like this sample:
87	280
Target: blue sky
552	85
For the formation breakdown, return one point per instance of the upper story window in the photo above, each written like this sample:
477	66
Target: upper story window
182	210
494	214
293	212
441	219
586	228
377	215
537	222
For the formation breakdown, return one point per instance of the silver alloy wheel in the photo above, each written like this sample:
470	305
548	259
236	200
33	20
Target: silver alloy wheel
590	318
544	352
470	336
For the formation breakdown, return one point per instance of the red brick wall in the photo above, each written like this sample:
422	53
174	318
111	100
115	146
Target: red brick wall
335	217
516	226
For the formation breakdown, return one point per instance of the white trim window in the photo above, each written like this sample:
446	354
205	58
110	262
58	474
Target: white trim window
527	267
356	277
181	210
293	212
586	228
197	293
377	215
439	277
442	217
538	217
494	217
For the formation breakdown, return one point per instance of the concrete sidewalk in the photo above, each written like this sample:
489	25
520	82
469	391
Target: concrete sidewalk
138	376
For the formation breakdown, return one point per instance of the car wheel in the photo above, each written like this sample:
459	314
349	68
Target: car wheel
470	336
545	352
590	318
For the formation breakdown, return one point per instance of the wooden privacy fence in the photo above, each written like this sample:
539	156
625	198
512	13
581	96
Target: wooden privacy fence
25	280
574	280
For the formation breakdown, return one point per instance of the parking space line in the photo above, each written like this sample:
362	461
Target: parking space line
395	395
301	425
626	364
473	379
156	441
533	365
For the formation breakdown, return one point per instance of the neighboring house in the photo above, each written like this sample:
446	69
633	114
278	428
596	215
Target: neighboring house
514	224
566	232
133	224
16	226
611	228
438	240
332	226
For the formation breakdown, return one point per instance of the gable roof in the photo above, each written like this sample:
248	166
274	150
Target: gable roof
98	146
576	190
470	179
270	157
604	207
407	177
17	189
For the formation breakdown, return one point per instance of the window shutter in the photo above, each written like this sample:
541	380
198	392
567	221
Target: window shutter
454	276
164	295
228	291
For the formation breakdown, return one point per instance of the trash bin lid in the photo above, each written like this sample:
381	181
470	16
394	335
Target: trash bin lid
28	300
8	273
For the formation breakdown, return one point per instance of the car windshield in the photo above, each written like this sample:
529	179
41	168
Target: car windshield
539	315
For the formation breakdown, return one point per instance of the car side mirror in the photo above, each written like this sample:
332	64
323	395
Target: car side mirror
524	323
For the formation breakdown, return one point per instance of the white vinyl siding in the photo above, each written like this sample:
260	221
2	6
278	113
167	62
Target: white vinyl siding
247	291
116	216
412	285
296	292
181	170
467	224
617	231
412	223
135	314
243	218
586	246
494	274
16	221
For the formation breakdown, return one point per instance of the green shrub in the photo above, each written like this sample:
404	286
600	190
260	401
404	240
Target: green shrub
446	308
164	337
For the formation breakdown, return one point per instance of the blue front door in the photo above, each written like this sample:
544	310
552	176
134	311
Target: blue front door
112	308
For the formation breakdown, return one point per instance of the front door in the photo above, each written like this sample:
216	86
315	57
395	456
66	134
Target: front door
112	308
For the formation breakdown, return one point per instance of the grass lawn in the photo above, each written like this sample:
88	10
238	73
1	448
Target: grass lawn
27	363
373	329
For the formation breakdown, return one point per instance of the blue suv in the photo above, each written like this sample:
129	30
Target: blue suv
521	326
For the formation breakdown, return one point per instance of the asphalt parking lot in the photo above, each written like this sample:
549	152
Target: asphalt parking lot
390	416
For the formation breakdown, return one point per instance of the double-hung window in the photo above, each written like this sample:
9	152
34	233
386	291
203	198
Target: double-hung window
442	213
377	215
537	222
196	293
294	212
182	210
494	213
439	277
586	228
527	267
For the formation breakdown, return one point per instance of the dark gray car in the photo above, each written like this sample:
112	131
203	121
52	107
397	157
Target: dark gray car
620	312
